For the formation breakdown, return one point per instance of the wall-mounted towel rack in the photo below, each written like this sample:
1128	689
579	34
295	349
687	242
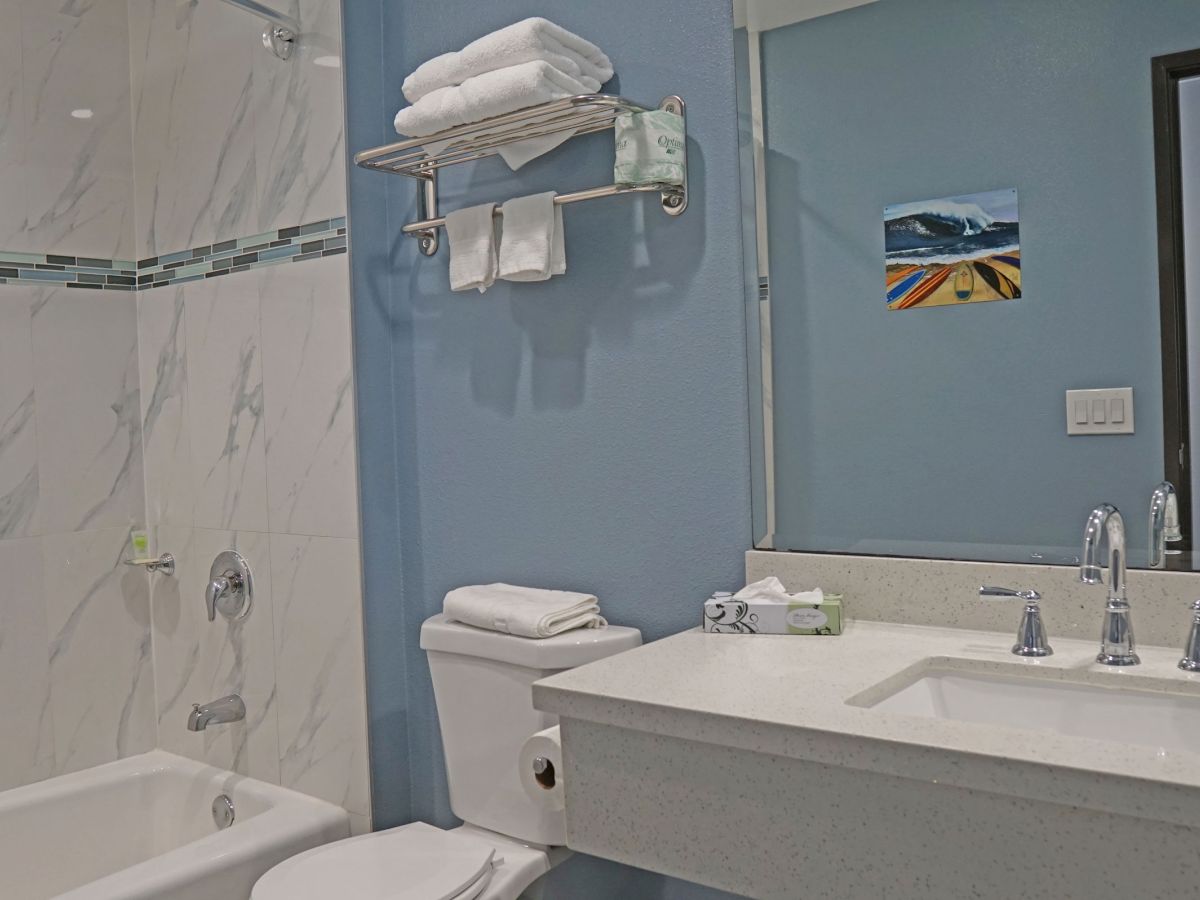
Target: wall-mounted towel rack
583	114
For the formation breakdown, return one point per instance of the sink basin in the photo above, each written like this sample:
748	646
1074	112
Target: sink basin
1162	713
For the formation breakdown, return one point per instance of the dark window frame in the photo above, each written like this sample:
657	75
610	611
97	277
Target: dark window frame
1166	73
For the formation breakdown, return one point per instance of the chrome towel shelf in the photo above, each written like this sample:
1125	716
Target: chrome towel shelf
422	157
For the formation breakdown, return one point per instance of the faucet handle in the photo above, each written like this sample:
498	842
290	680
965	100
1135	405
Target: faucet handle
1031	634
1191	650
230	588
1009	594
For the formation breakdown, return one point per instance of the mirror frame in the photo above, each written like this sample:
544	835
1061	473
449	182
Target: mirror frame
1166	73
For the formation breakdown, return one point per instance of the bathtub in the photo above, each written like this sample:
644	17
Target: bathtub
142	829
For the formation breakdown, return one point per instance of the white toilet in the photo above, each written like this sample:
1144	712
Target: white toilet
481	682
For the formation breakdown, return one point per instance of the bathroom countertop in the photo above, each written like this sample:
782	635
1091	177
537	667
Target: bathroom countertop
786	696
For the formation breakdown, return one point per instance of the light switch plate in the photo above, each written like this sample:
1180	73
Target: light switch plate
1102	411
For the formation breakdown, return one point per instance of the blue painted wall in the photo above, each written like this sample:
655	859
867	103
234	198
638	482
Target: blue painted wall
947	426
589	433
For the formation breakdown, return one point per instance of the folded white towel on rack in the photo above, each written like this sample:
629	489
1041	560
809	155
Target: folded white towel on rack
493	94
472	236
526	612
525	41
531	245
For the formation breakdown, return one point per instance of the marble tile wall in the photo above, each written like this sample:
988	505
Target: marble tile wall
249	439
74	624
247	395
66	153
217	412
228	139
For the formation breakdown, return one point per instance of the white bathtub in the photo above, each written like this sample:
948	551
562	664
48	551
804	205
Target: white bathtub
142	829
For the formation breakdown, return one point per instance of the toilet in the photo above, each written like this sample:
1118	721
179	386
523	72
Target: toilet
482	685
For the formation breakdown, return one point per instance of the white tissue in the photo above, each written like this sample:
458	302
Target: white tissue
771	589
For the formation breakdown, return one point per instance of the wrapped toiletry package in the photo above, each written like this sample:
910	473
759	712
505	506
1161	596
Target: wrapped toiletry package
650	148
766	608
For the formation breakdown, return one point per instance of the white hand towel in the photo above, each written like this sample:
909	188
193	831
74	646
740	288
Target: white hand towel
525	41
493	94
531	245
526	612
472	235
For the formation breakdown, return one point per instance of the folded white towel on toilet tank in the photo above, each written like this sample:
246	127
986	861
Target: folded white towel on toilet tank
525	612
525	41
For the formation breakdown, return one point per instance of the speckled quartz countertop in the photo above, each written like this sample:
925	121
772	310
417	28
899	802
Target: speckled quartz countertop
786	696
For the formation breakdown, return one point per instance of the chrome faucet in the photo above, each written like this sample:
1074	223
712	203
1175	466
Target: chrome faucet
1164	523
1116	640
218	712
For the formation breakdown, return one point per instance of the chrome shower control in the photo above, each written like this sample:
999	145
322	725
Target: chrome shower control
230	588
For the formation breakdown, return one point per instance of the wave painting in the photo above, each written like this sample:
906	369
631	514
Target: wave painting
953	250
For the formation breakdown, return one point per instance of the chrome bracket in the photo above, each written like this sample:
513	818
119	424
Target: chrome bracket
164	564
674	202
279	40
427	208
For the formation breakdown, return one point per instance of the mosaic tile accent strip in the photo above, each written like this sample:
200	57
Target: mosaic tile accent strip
73	271
296	243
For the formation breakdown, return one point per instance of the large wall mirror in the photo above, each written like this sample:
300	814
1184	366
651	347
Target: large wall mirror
960	211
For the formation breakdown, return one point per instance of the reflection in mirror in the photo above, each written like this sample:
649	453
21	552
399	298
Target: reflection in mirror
952	209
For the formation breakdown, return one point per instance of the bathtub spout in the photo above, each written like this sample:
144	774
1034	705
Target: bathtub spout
227	709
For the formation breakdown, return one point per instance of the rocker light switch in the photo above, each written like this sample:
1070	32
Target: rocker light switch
1103	411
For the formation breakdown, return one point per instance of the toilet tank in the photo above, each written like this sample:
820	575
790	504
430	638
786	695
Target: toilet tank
482	683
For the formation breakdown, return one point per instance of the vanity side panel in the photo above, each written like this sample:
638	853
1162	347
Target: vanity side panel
772	827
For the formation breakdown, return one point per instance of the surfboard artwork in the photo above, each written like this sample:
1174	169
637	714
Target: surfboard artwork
952	251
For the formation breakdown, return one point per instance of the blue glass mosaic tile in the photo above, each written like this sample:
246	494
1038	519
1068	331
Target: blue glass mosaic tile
296	243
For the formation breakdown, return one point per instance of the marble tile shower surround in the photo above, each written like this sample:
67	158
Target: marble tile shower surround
217	411
228	139
66	154
249	444
943	593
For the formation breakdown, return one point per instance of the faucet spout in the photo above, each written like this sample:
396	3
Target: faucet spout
218	712
1105	522
1105	525
1164	523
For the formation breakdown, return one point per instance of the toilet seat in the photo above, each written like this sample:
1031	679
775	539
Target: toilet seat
412	862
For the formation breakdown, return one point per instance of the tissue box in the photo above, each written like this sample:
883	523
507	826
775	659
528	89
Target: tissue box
724	615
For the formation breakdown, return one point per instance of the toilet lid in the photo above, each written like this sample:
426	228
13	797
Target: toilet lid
412	862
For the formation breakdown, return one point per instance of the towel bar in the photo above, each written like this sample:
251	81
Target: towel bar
583	114
674	197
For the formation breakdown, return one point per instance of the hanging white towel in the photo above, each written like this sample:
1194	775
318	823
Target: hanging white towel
531	245
525	41
526	612
493	94
472	236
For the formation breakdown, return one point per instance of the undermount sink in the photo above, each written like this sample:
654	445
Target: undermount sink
1155	712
